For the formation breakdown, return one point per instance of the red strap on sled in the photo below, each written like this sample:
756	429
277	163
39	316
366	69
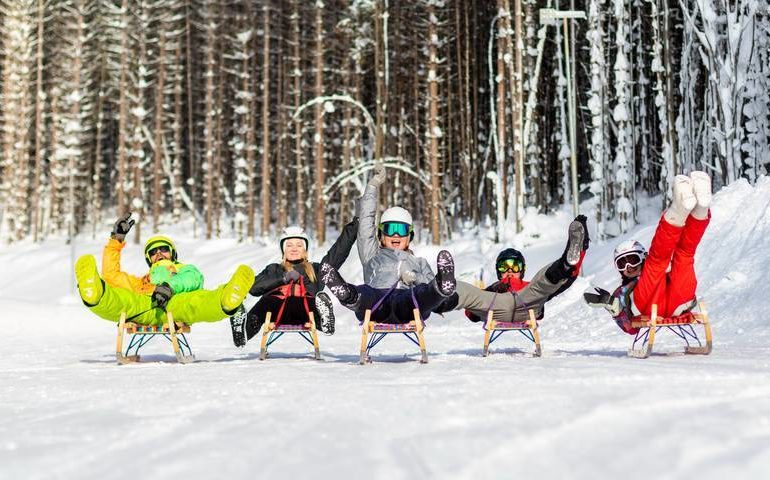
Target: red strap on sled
302	293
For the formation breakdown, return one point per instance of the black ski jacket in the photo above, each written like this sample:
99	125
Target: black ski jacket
271	278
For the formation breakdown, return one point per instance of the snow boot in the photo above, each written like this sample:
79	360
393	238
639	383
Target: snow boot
682	201
238	327
445	273
577	241
701	187
345	293
236	289
90	285
326	311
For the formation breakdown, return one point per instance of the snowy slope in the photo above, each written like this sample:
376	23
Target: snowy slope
583	410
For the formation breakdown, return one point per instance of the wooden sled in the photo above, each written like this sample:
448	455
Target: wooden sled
411	330
141	335
493	329
271	333
682	326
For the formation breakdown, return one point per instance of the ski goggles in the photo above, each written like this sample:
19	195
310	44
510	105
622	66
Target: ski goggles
395	229
511	264
161	248
629	260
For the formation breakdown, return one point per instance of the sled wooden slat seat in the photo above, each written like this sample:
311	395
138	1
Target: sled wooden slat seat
493	329
141	335
373	332
681	325
271	333
132	327
684	319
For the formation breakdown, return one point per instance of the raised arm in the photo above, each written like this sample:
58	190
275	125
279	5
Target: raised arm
367	242
339	252
111	272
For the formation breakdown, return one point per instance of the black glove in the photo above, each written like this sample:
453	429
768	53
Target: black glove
122	227
603	298
161	295
379	176
291	276
499	287
586	240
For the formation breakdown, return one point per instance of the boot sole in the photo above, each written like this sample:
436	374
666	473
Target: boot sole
446	270
89	282
576	238
237	288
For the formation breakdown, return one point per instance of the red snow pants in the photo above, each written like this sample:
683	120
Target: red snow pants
674	246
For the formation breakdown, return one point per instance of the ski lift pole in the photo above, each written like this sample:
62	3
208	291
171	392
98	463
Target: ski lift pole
550	16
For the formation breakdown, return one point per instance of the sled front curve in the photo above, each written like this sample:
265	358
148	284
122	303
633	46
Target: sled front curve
683	326
272	332
373	332
141	335
529	329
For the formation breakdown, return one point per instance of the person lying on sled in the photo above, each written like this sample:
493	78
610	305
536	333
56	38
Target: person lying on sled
511	298
168	286
290	290
392	272
666	275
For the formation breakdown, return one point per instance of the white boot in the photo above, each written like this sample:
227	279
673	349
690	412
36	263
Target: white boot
682	202
701	186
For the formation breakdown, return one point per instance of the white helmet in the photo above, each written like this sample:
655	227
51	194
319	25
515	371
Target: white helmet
396	214
629	246
293	232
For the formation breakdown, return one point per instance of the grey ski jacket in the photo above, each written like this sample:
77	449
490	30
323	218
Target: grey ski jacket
382	266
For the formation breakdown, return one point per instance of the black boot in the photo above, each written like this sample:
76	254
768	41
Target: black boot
238	326
445	273
326	311
345	293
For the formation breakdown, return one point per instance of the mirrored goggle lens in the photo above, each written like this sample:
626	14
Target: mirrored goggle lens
514	265
631	260
162	248
393	229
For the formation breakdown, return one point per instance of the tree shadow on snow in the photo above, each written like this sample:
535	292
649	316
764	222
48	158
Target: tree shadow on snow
478	352
145	359
591	353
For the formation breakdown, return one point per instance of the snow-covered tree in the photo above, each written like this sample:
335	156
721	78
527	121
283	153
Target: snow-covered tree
597	106
621	114
19	27
725	34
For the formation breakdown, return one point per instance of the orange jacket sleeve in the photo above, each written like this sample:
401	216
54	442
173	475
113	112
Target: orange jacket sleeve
114	276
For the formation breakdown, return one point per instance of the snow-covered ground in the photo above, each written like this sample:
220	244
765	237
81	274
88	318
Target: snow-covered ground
583	410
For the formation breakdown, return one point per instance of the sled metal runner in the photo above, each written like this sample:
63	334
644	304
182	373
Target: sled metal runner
141	335
271	333
683	326
529	329
411	330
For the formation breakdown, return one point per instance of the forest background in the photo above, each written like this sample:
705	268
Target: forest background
247	116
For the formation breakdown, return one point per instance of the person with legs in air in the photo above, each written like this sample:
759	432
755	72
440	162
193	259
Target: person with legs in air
292	289
394	277
511	297
664	276
169	285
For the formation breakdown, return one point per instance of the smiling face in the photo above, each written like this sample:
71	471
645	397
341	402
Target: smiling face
632	272
395	243
294	249
157	254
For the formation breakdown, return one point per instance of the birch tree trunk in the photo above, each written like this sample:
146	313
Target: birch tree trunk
318	139
265	180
